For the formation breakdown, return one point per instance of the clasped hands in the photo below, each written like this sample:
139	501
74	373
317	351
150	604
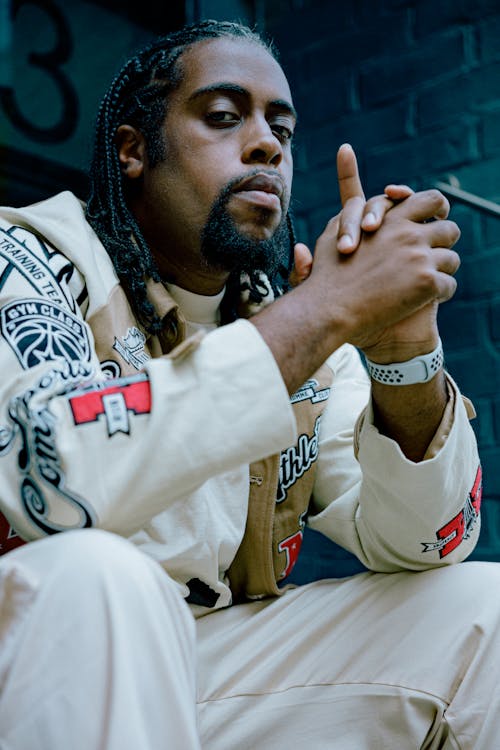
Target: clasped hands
383	265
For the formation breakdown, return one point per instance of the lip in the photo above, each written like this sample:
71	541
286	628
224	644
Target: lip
262	191
263	183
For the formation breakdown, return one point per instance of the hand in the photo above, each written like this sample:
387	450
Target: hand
385	295
357	214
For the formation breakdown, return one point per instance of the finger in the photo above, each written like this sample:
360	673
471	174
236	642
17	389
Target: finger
349	233
427	204
447	286
348	174
446	261
398	192
352	198
303	261
374	212
377	207
441	233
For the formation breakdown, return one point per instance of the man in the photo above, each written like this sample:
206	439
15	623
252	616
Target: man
147	397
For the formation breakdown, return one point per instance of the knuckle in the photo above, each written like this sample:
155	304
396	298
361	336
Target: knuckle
428	281
455	261
455	231
434	195
447	232
414	236
378	200
438	201
420	259
448	289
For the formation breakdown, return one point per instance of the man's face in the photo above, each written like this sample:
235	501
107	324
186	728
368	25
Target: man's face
228	149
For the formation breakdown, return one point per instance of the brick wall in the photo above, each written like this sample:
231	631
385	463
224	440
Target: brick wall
415	87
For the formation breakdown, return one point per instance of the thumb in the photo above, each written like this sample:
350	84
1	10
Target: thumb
302	264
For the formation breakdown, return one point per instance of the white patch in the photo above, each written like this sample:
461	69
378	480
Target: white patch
115	410
131	348
308	392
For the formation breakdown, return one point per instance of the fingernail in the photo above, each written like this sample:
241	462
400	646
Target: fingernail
369	219
345	242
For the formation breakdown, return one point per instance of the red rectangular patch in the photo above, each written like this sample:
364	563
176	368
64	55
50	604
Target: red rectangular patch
88	406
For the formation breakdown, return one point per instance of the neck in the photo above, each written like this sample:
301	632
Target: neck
198	279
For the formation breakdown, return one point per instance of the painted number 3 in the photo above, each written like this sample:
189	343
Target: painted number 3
49	62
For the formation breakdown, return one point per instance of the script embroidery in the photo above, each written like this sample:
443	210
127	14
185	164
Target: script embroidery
296	460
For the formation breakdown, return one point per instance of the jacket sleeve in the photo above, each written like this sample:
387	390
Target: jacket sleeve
80	450
392	513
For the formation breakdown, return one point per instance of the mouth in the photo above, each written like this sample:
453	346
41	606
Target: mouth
262	190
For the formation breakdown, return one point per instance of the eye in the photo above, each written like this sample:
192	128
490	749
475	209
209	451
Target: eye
283	126
282	132
222	118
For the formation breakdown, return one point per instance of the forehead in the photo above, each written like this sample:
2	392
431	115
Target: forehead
233	60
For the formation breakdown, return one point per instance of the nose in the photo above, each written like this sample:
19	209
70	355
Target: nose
261	145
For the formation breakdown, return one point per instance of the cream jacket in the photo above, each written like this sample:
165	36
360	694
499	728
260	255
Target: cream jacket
100	426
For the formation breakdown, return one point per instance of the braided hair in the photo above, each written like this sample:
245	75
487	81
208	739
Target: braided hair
138	96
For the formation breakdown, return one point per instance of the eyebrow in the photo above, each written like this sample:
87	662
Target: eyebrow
234	88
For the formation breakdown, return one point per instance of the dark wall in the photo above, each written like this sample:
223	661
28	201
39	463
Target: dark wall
415	87
57	59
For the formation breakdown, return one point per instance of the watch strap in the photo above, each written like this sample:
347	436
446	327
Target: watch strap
420	369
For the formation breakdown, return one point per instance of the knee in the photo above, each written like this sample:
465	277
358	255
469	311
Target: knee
89	548
480	576
88	557
474	586
92	568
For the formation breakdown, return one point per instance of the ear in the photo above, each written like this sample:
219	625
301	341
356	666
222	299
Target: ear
131	148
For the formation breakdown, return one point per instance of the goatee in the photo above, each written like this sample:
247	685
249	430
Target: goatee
225	247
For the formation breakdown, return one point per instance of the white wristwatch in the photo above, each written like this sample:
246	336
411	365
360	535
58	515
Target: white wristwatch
420	369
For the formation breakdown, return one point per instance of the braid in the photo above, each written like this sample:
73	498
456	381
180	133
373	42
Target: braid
138	96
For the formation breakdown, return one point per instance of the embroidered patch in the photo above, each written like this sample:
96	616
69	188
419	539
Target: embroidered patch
40	330
114	402
111	369
38	457
296	460
460	527
131	348
291	547
309	391
24	253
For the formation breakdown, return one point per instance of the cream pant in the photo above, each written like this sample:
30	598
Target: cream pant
99	652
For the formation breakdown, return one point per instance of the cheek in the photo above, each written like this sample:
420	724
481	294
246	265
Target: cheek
287	172
202	175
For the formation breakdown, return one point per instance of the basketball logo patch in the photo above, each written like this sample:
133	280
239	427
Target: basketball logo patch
40	330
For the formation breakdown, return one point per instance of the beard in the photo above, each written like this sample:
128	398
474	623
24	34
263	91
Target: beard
224	247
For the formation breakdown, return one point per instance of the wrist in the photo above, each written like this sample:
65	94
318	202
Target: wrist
400	351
